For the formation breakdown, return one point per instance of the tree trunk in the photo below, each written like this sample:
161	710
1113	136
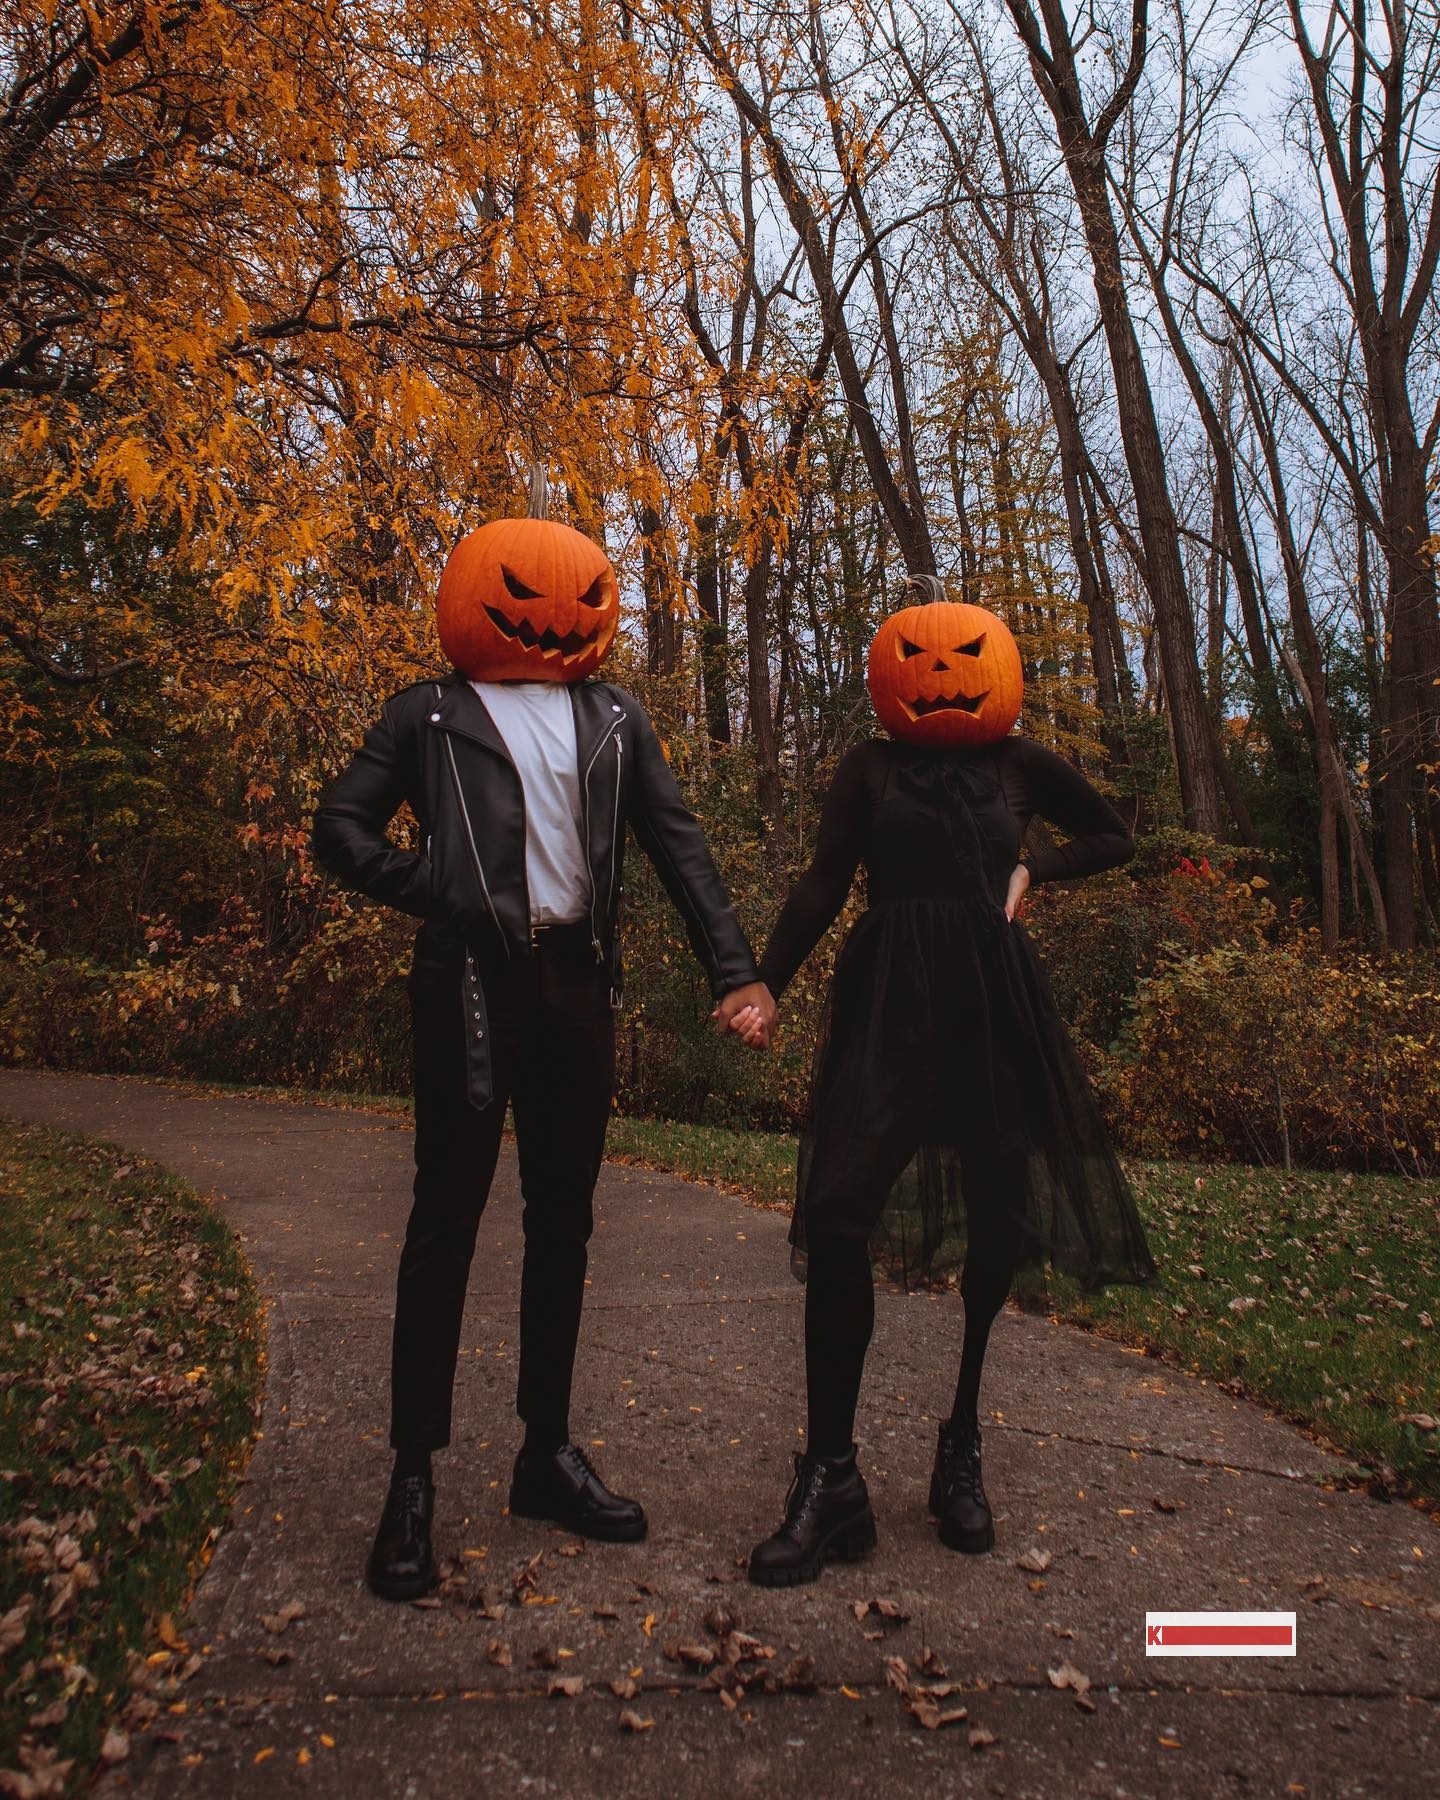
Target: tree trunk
1197	749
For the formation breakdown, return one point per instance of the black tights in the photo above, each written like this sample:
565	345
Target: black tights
840	1316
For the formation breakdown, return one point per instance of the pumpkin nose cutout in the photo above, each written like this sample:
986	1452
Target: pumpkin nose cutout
939	663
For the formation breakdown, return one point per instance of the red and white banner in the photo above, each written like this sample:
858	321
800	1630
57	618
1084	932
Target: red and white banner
1219	1634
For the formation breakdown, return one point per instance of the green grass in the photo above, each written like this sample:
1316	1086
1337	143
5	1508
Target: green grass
1343	1272
760	1165
130	1365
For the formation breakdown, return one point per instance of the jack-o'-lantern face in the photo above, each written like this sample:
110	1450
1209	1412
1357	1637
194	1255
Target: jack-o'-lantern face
945	673
527	600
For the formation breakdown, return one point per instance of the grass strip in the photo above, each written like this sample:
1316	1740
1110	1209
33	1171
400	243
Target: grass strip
130	1370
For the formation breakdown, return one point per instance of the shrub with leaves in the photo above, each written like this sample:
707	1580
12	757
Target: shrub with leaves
1101	937
1274	1053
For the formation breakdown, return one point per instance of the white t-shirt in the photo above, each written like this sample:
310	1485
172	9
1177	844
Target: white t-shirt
538	726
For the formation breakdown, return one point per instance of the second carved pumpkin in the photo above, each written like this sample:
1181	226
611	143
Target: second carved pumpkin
945	673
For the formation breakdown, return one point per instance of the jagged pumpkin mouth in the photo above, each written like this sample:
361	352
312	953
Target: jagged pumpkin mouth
549	642
966	703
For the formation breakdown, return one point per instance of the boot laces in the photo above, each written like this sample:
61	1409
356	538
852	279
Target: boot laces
572	1453
960	1458
406	1504
804	1495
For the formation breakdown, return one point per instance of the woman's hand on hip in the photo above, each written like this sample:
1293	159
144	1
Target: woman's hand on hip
1019	884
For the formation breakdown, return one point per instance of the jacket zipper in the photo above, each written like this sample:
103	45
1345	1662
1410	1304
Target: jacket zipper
470	835
585	807
615	856
615	822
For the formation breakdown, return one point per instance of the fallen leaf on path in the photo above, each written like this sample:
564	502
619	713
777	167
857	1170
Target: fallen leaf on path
277	1622
631	1721
698	1656
625	1688
527	1575
1167	1506
925	1712
800	1676
567	1685
1068	1676
1034	1561
274	1655
722	1619
888	1610
979	1738
499	1654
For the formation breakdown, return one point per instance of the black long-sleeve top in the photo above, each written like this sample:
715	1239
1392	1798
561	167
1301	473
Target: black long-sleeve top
870	817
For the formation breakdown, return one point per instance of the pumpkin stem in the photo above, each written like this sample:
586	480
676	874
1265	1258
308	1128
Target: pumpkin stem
539	492
931	586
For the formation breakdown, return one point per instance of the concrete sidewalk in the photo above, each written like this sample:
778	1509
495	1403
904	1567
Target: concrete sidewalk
1144	1489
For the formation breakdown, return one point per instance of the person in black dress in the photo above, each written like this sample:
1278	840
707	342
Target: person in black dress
949	1113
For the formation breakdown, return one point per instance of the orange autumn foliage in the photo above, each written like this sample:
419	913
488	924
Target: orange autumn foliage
320	281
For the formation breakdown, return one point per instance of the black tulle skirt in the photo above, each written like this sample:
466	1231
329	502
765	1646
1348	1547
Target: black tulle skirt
947	1100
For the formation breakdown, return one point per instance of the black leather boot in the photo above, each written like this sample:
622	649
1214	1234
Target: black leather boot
957	1493
827	1519
563	1486
402	1563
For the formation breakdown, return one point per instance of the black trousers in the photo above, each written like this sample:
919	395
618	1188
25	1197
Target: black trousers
553	1048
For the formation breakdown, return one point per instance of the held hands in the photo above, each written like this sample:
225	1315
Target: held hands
750	1012
1019	883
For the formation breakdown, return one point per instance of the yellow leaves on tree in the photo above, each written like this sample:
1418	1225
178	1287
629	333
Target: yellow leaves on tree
294	290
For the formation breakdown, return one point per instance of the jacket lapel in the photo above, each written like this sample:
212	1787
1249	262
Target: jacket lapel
459	709
596	716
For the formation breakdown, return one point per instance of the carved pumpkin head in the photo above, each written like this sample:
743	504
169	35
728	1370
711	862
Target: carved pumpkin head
945	673
527	600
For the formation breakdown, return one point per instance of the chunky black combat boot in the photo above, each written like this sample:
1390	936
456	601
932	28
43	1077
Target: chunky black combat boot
402	1563
957	1493
827	1519
562	1485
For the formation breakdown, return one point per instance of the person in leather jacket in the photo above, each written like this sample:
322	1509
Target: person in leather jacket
514	983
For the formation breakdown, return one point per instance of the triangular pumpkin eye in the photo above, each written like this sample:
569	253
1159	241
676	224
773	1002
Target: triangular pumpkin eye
594	595
517	587
907	649
971	649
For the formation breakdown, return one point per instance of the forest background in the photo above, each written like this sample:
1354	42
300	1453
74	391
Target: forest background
1119	318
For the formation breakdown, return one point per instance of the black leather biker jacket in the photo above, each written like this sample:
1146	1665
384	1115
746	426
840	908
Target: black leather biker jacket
436	746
